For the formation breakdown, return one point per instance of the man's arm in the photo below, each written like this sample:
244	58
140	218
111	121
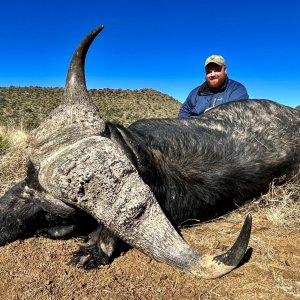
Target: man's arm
187	107
239	93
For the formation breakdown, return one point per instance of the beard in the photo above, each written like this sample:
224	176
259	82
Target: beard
216	83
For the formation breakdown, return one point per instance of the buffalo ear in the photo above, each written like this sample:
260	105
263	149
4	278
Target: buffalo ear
131	145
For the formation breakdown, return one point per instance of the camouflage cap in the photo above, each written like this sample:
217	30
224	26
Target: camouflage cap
216	59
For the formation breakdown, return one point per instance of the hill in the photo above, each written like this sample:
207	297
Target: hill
29	105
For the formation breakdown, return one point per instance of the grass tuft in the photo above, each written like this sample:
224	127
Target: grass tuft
13	156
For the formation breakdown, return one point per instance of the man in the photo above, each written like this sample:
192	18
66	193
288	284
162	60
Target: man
217	89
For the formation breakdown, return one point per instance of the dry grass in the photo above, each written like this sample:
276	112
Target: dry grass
14	137
13	159
282	204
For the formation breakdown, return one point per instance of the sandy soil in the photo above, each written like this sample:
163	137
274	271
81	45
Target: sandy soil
37	268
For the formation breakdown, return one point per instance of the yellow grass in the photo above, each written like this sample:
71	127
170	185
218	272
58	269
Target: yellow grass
14	156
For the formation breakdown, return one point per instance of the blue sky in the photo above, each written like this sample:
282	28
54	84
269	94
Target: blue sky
154	44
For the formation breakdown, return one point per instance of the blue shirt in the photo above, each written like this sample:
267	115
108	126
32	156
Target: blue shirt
202	98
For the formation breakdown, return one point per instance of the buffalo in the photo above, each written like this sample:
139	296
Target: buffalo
136	184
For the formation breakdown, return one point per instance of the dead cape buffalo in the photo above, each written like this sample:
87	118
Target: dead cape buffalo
134	184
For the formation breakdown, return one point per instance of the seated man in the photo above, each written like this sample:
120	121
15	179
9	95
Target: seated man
217	89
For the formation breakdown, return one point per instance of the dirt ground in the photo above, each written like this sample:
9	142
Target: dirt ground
37	268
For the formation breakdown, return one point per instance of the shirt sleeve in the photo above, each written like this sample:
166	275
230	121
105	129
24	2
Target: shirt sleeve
186	108
240	93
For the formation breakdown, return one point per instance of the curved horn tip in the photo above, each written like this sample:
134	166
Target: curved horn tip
99	28
209	267
75	86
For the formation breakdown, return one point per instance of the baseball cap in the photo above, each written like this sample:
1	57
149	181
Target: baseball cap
216	59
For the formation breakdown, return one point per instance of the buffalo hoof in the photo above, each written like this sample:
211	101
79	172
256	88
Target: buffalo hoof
89	257
97	249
